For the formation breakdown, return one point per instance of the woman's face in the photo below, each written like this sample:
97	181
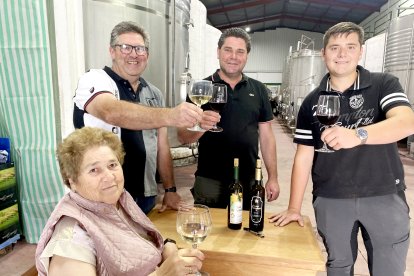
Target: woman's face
100	177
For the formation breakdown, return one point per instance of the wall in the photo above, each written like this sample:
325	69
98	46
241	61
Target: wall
270	49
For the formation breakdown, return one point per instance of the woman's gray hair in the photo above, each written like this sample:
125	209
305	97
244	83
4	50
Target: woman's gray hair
128	27
235	32
343	28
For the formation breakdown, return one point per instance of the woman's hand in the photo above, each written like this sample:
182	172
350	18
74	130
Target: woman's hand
180	262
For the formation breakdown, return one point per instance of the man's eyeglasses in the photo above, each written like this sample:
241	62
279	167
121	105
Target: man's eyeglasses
127	49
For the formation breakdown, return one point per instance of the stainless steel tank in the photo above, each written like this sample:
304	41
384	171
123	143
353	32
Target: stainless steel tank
306	71
399	53
168	44
166	22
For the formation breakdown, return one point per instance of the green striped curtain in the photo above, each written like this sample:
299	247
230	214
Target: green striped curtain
27	109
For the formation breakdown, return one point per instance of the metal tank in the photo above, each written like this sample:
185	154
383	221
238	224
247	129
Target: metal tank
306	69
167	23
399	53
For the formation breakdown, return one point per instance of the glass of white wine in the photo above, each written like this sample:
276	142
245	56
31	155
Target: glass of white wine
193	225
200	93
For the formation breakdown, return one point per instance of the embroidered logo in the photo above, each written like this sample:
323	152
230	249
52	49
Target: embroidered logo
356	101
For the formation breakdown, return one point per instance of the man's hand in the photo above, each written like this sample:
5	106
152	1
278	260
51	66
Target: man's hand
185	115
286	217
171	200
272	190
209	119
340	138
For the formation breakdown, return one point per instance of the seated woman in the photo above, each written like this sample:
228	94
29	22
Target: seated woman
97	228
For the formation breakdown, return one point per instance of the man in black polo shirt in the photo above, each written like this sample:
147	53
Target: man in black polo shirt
245	119
359	186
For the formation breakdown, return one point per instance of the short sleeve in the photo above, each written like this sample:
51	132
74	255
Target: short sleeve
91	84
69	240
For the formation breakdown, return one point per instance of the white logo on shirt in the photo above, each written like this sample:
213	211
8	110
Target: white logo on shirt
356	101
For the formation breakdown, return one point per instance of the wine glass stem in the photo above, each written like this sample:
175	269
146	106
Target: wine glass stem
194	245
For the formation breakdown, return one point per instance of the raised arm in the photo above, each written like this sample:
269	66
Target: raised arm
135	116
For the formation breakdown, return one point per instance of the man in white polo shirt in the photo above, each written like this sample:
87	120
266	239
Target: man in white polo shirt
117	99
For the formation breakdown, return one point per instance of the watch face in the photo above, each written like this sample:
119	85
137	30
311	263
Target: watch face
362	133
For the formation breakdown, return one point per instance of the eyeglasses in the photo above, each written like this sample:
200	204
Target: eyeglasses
127	49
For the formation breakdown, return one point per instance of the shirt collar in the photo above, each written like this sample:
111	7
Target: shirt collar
216	77
118	78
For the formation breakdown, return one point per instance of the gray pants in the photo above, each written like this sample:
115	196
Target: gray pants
385	227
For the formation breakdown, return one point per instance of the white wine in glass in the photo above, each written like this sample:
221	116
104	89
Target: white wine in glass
193	225
200	93
327	112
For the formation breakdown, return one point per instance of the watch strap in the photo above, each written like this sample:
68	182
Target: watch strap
169	240
171	190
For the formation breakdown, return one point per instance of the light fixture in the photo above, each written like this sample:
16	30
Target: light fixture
247	29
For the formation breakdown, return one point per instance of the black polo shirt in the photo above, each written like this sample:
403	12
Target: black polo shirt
366	170
247	105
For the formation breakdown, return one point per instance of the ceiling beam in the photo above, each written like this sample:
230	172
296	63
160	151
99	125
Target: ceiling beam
240	6
275	17
336	3
369	8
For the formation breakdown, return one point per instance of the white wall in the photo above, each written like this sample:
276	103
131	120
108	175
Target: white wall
269	51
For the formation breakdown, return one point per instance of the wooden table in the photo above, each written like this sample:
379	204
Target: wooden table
291	250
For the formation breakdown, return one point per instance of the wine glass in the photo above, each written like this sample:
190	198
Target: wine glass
217	102
193	225
327	112
200	93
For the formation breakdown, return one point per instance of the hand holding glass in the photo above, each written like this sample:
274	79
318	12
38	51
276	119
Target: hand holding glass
217	102
193	225
327	112
200	93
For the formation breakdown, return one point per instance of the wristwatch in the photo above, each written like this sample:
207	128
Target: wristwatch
362	134
171	190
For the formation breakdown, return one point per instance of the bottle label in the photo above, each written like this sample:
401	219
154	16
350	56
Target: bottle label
236	208
256	214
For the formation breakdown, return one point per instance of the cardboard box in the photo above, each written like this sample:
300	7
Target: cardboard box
7	176
9	223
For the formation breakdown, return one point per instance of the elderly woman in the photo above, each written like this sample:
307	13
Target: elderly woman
97	228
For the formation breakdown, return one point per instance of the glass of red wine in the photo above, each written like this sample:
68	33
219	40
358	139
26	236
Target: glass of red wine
327	112
217	102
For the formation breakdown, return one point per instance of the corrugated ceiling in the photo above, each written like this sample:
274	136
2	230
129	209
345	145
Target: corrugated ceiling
309	15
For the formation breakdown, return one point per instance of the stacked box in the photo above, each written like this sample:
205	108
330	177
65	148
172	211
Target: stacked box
9	223
8	187
9	213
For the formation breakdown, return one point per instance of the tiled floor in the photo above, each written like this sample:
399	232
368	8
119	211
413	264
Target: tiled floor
22	256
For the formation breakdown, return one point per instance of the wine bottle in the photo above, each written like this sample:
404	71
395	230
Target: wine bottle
257	201
235	208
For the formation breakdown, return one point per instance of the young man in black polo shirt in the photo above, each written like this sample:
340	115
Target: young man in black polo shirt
360	186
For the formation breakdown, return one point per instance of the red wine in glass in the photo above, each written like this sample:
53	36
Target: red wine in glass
327	112
218	101
216	106
327	120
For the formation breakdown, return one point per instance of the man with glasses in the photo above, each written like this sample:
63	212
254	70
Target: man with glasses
120	100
